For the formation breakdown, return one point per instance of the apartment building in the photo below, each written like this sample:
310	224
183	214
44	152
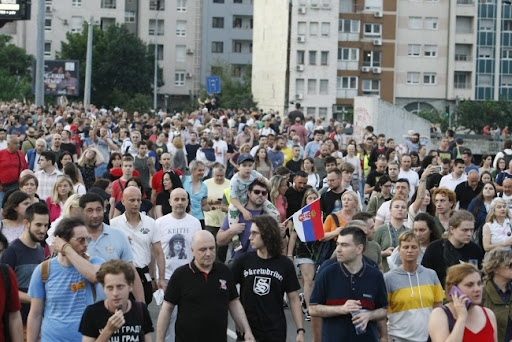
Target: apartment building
173	25
226	36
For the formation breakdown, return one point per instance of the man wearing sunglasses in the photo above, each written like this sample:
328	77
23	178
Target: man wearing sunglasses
24	254
256	197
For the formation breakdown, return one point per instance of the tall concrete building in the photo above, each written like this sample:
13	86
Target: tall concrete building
226	36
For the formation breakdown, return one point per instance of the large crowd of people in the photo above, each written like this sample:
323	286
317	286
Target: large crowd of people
104	211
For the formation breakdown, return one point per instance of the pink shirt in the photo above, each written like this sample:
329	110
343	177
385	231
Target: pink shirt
281	207
301	132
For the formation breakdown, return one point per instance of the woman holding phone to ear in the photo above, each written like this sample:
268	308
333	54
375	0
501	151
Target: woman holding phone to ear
462	319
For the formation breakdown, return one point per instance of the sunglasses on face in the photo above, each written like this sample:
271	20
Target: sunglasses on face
263	192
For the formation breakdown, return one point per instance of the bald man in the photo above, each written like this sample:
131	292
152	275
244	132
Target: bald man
177	229
218	294
468	190
144	239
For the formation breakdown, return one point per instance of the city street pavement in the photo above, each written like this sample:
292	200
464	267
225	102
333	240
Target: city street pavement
292	330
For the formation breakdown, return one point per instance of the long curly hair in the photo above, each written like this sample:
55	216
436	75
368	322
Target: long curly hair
270	233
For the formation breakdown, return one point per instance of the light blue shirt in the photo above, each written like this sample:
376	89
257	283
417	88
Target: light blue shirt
196	198
66	293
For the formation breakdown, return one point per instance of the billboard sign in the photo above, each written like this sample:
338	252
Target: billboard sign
14	9
60	77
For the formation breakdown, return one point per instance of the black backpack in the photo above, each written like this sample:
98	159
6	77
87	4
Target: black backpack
508	158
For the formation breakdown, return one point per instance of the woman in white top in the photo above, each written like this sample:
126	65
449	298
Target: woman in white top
356	162
308	166
71	171
497	230
422	199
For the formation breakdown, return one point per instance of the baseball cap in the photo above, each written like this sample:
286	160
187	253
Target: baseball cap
73	128
459	140
244	157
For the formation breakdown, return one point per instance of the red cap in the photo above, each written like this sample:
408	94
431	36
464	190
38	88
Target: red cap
73	128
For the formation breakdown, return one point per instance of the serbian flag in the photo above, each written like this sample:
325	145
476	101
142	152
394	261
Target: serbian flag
308	222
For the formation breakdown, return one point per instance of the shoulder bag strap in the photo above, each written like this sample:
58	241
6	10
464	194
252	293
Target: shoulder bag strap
120	185
449	315
19	161
336	220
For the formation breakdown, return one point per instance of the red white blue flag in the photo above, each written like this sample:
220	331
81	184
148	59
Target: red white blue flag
308	222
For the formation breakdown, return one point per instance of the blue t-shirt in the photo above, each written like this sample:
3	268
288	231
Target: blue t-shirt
111	244
312	148
276	158
196	198
66	293
23	260
244	236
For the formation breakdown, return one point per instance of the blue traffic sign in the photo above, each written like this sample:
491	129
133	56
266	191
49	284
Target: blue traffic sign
213	85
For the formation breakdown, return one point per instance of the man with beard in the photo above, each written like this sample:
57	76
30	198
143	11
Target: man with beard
275	155
220	147
320	161
24	254
56	142
105	241
177	224
295	193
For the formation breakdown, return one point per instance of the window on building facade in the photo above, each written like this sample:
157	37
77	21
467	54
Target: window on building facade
464	24
311	86
371	87
324	87
413	50
486	24
346	82
326	27
299	86
348	54
431	23
463	52
413	78
415	23
218	1
372	30
312	57
507	25
311	111
181	5
108	3
179	79
159	50
322	112
349	26
313	29
76	3
300	56
156	27
461	80
506	53
237	47
218	22
301	28
77	24
217	47
485	52
429	78
156	5
48	24
129	17
324	57
47	48
430	51
506	81
371	58
181	28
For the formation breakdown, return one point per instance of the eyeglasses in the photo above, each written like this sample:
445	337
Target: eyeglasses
263	192
82	240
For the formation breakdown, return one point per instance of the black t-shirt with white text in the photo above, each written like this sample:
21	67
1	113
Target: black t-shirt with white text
137	322
263	283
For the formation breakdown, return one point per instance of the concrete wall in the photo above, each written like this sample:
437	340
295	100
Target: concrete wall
270	54
386	118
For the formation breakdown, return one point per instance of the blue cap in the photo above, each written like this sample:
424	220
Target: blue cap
244	157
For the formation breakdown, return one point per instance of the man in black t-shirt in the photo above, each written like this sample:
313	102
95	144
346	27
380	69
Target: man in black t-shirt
295	193
295	164
373	176
330	202
204	291
264	277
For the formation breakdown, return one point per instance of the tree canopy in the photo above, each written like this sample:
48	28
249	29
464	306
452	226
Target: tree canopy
15	71
122	66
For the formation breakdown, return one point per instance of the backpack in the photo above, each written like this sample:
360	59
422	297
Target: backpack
4	269
45	273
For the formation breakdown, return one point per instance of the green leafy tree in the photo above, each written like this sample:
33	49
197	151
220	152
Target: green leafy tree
436	117
122	66
15	71
474	115
235	88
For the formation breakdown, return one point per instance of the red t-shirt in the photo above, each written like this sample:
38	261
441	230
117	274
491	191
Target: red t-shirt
12	165
117	189
14	304
156	181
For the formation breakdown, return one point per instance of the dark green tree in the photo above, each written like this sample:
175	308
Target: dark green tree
474	115
235	86
122	66
15	71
